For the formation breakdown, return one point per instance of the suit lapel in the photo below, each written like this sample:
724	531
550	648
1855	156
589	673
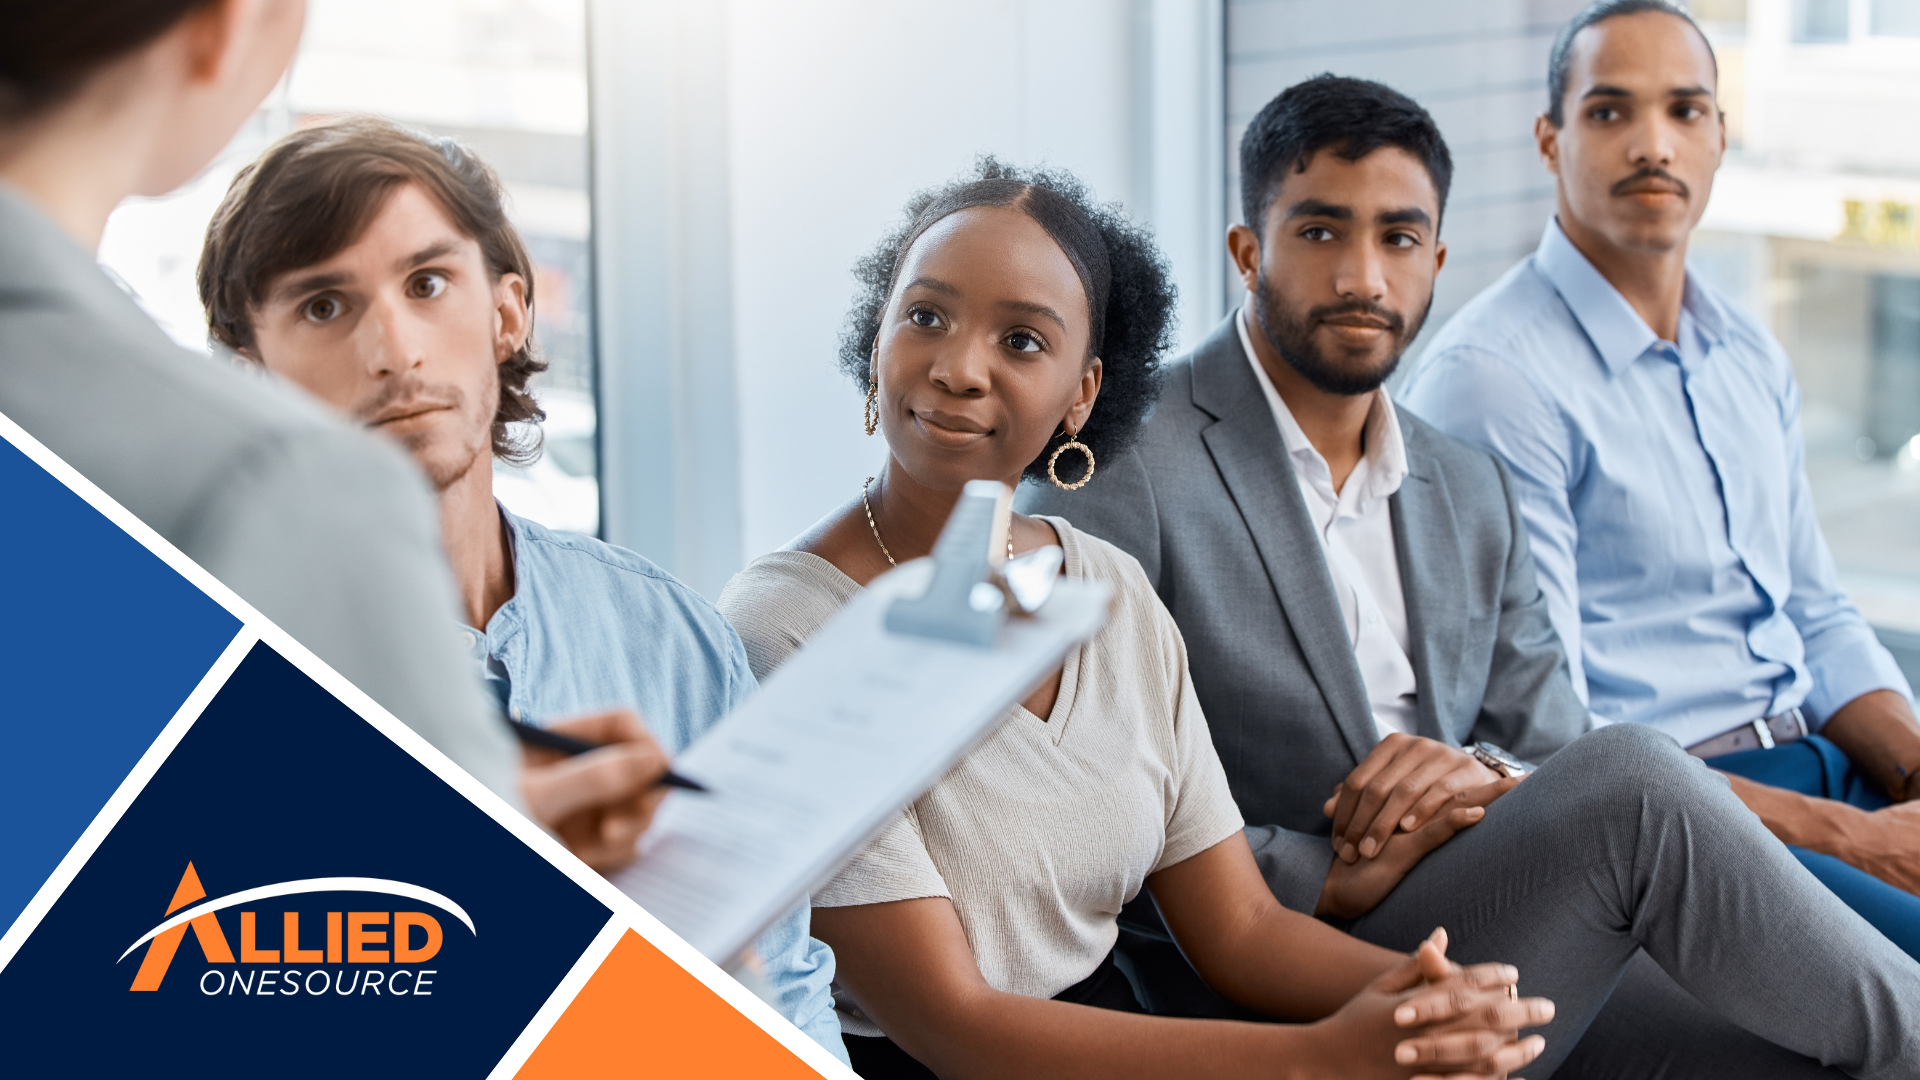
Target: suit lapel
1427	545
1246	448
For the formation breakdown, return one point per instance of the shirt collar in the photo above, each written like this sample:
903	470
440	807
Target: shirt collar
1617	331
1386	453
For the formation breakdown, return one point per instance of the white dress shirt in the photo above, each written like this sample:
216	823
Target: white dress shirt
1355	528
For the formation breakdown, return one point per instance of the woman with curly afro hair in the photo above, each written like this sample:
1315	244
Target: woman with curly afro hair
1009	317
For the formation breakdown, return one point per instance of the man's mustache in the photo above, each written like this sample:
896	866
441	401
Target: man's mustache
404	397
1390	319
1625	187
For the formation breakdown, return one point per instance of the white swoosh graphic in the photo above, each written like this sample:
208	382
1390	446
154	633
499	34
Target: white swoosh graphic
307	885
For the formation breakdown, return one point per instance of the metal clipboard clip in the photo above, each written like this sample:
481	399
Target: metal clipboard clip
975	587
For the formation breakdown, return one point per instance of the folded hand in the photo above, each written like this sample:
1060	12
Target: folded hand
1886	844
1433	1019
1356	885
1404	783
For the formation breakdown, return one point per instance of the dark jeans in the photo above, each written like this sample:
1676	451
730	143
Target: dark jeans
1813	766
882	1059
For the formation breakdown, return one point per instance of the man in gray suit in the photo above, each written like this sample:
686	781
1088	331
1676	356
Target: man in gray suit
1377	665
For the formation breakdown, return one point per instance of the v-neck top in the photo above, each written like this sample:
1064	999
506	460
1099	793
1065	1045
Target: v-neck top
1042	832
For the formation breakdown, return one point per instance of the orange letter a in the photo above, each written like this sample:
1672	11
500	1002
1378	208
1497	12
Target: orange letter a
206	929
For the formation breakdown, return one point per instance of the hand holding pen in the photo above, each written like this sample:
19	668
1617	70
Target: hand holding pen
595	781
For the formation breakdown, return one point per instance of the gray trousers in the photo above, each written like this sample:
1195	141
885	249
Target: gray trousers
1625	861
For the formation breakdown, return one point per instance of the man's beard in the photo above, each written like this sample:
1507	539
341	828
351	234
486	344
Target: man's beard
1292	337
453	462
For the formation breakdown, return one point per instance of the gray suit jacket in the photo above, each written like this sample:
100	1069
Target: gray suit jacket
1208	502
327	530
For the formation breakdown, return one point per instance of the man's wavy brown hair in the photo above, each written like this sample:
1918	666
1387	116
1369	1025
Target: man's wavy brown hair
313	194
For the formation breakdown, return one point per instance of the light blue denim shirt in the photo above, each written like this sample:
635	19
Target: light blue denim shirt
592	627
1665	493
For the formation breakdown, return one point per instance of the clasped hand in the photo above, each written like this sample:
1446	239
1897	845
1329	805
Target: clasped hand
1442	1020
1407	798
1886	844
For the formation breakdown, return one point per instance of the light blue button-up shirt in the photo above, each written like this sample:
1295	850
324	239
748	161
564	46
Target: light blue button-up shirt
593	627
1665	493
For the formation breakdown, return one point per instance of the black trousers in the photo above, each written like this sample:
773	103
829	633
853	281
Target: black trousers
881	1059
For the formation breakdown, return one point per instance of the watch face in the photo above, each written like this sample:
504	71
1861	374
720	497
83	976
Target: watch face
1498	760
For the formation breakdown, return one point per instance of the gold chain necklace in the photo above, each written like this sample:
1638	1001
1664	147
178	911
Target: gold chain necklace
864	501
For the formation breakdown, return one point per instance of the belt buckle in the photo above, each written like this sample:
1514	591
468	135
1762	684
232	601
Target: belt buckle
1764	732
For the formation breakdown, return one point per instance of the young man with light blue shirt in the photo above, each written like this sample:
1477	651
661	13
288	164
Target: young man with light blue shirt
375	267
1653	430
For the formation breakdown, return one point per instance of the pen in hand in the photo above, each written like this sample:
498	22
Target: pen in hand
570	746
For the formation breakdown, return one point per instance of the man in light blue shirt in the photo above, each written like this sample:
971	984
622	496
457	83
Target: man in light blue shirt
591	626
1654	432
375	267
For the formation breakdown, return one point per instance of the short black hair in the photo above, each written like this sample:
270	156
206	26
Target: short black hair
1130	295
1560	57
1353	117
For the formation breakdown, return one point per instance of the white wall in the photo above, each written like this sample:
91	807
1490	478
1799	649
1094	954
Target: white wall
840	110
1480	68
835	111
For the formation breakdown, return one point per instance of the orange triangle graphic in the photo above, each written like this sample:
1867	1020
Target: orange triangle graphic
643	1014
189	891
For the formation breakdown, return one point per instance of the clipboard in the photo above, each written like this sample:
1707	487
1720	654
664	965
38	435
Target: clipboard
862	720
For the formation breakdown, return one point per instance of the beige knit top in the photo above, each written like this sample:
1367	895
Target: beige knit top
1041	833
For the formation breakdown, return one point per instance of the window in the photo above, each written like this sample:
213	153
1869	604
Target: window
1812	226
1896	18
507	78
1821	21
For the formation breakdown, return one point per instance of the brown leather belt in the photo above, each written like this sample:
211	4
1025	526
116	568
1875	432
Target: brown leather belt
1789	726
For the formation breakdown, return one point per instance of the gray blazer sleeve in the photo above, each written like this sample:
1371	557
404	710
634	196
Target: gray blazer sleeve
330	535
1117	506
1530	707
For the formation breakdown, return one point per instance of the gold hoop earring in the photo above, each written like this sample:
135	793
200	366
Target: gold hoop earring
1073	443
872	411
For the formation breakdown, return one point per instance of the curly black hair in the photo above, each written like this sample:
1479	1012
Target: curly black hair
1129	294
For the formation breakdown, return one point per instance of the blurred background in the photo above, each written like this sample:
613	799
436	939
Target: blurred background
695	179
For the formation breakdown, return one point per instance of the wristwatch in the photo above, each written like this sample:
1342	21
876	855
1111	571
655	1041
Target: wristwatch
1498	760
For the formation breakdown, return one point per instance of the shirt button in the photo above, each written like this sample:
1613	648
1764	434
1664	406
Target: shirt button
468	640
1372	617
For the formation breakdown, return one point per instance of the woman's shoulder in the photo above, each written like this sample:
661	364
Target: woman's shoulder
779	600
1095	559
1139	625
788	577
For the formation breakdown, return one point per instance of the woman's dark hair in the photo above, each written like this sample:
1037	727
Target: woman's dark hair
50	47
1129	296
313	194
1350	117
1560	57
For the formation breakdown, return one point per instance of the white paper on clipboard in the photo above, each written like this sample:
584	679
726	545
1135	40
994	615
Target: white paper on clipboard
854	726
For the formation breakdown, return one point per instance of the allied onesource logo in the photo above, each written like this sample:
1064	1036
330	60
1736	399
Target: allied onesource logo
355	953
